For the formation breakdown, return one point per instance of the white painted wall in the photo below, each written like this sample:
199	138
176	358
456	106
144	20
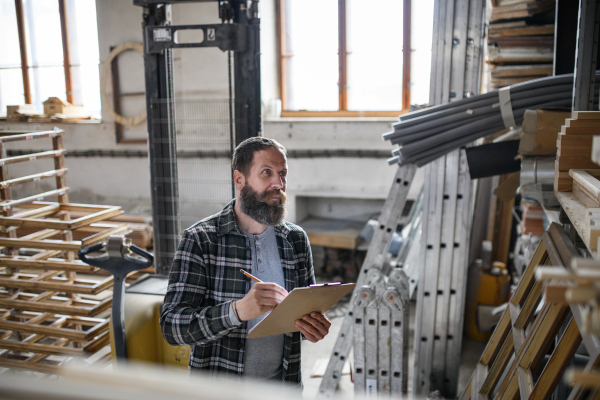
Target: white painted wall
202	73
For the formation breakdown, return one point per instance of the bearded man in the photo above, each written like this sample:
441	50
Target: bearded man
211	305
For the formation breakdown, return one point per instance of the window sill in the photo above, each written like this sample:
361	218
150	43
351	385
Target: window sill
342	114
4	120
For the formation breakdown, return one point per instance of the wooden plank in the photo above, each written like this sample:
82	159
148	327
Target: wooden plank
5	205
32	157
585	114
577	214
72	329
32	135
33	178
566	163
562	181
498	337
580	130
499	366
51	264
521	31
42	244
563	244
62	285
582	123
58	305
584	196
590	183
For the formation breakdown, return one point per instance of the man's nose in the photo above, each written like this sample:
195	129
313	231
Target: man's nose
278	182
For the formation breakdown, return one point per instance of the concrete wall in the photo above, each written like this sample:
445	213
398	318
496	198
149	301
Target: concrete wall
202	73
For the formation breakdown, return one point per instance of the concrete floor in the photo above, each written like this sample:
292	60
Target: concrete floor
313	352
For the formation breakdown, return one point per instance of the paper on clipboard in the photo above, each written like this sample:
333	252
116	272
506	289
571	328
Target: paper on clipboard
299	302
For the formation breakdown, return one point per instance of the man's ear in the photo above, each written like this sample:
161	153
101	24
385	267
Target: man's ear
239	179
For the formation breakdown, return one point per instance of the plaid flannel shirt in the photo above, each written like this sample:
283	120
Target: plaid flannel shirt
205	279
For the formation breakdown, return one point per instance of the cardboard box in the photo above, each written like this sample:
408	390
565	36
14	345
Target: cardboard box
540	131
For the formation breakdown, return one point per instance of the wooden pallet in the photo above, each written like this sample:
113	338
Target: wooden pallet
516	350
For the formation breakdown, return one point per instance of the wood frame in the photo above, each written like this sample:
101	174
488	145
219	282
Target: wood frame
52	302
521	339
282	54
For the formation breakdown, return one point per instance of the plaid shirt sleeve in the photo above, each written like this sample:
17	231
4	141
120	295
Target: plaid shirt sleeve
183	319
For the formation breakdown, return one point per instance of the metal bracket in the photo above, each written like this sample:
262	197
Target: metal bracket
232	37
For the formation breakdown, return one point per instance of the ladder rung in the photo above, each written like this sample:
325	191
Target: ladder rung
31	136
32	156
6	205
35	178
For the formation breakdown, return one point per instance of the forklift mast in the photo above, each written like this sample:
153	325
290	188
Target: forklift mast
238	34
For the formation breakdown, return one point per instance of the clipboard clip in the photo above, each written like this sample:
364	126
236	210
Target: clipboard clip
326	284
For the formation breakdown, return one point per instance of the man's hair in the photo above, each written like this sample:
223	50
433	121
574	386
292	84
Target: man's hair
244	153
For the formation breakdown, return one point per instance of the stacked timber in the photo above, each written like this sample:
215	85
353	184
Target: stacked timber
574	147
532	221
577	184
520	41
52	305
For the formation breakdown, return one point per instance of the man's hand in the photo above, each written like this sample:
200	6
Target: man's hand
314	326
262	297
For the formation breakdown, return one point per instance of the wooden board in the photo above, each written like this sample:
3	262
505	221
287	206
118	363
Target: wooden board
565	163
79	329
586	114
498	30
53	303
580	130
588	180
578	214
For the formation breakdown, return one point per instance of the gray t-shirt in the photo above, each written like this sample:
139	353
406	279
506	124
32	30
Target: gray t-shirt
263	357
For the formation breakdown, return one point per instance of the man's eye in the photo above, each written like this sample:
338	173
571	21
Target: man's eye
266	171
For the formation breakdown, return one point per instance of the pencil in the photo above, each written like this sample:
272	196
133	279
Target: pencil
250	276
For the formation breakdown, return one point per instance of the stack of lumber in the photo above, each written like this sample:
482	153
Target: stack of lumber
574	147
532	221
520	47
50	302
576	182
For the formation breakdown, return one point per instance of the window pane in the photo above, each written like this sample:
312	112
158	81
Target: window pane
83	36
374	45
11	88
46	82
311	62
9	35
43	32
420	59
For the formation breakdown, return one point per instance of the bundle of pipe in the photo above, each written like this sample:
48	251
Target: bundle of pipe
428	134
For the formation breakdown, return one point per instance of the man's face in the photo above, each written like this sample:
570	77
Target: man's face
262	192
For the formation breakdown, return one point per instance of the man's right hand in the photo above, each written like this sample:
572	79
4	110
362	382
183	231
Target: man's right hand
262	297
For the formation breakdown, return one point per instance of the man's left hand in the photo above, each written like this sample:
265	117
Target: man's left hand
314	326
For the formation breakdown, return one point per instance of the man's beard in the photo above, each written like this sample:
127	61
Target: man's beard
256	207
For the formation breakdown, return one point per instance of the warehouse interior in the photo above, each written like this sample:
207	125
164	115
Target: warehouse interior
442	157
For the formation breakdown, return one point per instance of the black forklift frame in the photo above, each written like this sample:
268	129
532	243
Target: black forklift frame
238	33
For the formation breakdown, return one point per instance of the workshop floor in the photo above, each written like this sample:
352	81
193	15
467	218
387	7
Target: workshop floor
314	354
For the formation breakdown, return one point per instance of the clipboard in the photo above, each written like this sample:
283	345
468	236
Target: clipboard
299	302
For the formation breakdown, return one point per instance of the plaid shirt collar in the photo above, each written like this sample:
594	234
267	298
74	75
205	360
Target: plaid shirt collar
227	223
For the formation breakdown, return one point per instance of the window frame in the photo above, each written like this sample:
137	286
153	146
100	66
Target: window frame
343	67
64	30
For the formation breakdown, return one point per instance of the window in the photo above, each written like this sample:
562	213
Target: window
347	58
49	49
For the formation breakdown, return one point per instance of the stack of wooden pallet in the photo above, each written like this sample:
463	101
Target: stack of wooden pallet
49	312
520	49
532	221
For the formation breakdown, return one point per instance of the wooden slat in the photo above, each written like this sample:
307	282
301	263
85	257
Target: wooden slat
559	361
42	244
51	264
32	136
32	178
98	326
499	366
9	204
587	181
585	115
83	308
566	163
62	285
32	157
